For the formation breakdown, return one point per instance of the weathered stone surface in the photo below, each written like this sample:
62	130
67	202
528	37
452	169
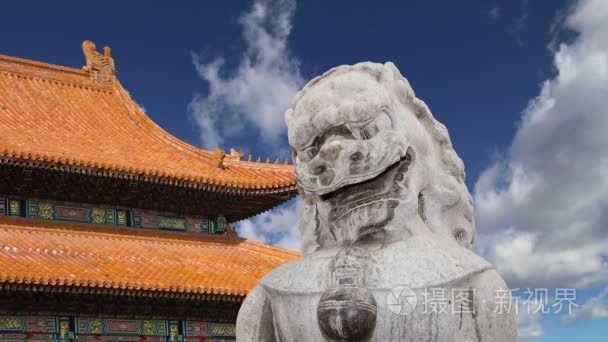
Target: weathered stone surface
387	220
347	310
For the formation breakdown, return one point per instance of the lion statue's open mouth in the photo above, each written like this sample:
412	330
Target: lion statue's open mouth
358	204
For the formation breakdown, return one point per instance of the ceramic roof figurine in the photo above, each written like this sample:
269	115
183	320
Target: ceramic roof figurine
387	225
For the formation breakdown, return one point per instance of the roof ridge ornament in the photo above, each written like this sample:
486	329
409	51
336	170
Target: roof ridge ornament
235	154
219	155
100	66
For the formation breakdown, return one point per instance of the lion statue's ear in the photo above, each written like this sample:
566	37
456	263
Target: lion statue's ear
308	225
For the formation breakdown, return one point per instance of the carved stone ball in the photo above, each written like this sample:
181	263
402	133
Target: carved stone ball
347	313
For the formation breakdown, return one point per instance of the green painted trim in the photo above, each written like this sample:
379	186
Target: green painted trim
95	214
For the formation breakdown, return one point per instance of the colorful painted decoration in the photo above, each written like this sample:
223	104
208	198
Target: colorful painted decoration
218	226
12	324
85	213
69	213
222	330
172	223
14	207
98	216
137	218
174	335
29	328
221	224
65	330
122	218
98	326
46	211
196	329
205	226
17	328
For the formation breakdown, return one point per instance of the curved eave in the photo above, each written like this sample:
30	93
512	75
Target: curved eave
207	295
60	118
14	158
99	259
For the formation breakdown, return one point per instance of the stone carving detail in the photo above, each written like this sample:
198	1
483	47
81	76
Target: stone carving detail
100	66
385	207
347	311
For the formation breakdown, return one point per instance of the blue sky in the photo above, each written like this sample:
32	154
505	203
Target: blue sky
521	86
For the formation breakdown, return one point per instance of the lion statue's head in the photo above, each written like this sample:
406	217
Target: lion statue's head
371	160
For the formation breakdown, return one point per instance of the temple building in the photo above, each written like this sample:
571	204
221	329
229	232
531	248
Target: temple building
111	228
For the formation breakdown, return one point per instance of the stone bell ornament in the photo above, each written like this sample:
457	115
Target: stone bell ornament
347	310
384	207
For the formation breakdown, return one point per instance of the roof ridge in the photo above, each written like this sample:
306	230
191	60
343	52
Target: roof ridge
50	72
268	249
256	164
129	144
157	130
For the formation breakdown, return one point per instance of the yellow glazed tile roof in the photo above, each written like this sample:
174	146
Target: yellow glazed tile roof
37	253
66	118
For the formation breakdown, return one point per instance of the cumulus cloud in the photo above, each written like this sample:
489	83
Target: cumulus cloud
542	209
276	227
595	308
253	97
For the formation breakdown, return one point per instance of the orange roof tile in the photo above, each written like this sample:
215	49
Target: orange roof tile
71	119
36	253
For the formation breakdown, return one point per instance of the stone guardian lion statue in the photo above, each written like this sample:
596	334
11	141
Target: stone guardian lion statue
386	222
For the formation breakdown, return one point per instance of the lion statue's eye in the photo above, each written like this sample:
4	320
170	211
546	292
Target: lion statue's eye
308	154
463	238
369	131
311	152
381	121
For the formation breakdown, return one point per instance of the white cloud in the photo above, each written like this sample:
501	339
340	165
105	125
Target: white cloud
277	227
493	12
528	320
595	308
517	27
542	211
255	95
